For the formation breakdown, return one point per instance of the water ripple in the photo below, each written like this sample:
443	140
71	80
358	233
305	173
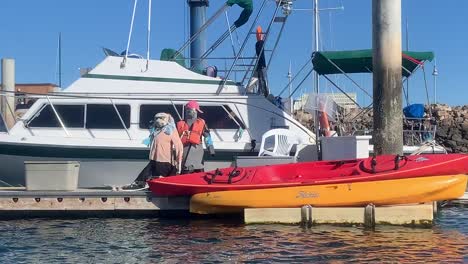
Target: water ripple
215	241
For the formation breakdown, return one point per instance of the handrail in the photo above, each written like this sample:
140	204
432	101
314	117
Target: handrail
58	117
121	120
202	28
177	111
221	86
231	116
265	40
2	119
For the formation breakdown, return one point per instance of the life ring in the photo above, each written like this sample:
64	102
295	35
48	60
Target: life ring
324	124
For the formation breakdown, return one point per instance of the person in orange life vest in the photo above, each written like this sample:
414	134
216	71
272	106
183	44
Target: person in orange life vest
191	131
162	140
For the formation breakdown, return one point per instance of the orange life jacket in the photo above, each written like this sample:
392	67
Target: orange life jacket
191	135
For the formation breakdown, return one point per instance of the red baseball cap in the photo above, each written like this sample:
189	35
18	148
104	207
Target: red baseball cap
192	104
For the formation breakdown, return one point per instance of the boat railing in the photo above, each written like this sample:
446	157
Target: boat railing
416	131
58	117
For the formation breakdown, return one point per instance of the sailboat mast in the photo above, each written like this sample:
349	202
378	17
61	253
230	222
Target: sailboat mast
291	101
60	59
316	42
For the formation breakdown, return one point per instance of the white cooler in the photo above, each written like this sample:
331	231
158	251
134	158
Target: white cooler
347	147
51	175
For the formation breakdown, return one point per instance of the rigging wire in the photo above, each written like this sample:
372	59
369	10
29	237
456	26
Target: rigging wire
122	65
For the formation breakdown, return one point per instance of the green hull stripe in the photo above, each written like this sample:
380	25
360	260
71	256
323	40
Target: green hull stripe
99	153
155	79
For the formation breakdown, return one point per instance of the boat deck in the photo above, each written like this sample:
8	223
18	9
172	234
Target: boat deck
19	202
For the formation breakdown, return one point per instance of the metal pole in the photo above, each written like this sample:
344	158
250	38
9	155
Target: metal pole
202	28
121	119
435	73
407	49
148	36
387	80
124	61
58	117
60	60
8	85
316	77
197	21
291	101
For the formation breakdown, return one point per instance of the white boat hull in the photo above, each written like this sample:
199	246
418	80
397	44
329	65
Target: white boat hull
93	172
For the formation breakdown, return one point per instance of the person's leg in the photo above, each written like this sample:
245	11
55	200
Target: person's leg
263	82
163	169
253	83
146	173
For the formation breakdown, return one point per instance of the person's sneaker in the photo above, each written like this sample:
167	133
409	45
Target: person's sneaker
134	185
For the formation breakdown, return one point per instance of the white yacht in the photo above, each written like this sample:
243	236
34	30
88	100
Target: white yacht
102	119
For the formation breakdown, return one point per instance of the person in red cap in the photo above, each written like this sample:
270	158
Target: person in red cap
191	131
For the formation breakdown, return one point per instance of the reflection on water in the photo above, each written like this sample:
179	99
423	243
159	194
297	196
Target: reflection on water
170	240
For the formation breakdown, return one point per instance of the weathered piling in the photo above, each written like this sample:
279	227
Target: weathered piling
8	102
387	82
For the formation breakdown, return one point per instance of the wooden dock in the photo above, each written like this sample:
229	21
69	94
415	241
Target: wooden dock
17	202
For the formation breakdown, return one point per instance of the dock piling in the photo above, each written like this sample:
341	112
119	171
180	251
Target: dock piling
387	80
7	99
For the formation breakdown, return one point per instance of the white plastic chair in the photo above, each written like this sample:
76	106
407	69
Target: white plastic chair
284	140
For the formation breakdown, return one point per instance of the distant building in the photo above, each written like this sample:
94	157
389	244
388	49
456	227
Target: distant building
343	100
299	103
24	89
339	98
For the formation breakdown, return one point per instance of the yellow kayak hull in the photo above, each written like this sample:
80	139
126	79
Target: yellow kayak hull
388	192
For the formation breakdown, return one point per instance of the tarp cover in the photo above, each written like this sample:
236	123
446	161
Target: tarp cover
323	103
414	111
247	5
360	61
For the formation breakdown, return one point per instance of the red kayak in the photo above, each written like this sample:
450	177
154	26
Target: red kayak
385	167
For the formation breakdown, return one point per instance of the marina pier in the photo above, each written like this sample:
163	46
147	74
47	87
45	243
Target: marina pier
17	203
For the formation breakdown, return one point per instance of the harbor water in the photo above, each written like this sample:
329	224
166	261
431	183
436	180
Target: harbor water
156	240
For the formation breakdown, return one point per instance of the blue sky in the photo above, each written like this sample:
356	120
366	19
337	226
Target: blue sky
29	31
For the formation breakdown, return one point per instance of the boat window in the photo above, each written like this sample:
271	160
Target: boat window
148	111
216	117
71	115
104	116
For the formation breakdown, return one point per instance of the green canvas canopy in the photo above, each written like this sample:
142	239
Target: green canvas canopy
360	61
247	6
168	55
